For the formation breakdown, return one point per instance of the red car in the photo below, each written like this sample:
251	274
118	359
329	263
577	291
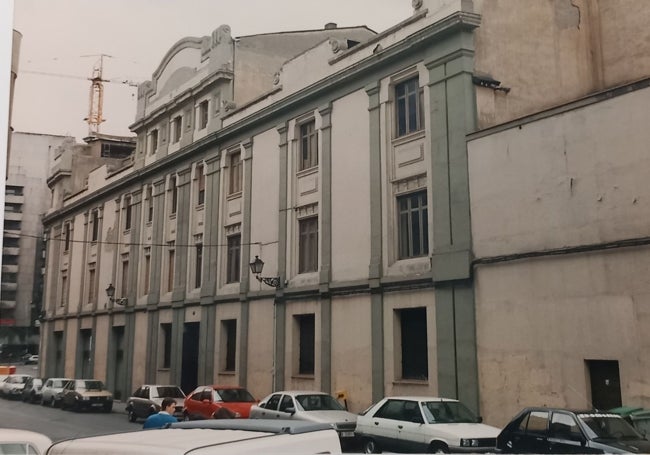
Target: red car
218	402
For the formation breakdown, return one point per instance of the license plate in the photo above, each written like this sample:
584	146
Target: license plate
97	404
347	434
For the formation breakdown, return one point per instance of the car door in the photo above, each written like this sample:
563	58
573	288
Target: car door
565	435
138	404
535	436
410	434
270	409
384	424
287	408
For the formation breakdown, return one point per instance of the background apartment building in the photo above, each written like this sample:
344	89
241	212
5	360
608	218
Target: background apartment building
27	198
338	157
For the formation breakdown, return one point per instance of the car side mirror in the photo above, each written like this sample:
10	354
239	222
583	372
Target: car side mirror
290	410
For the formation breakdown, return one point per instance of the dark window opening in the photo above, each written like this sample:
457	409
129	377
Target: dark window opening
308	245
198	265
413	327
605	383
408	107
166	330
308	145
229	328
413	225
234	254
306	329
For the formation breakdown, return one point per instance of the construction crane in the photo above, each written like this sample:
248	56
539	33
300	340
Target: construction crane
96	100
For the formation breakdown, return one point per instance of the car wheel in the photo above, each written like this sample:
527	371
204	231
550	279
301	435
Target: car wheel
438	447
370	446
132	416
186	417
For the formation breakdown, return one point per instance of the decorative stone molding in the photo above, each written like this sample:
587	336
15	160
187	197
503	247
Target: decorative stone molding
276	78
338	45
417	4
228	106
221	35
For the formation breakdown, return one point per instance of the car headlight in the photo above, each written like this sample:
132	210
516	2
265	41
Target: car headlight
469	442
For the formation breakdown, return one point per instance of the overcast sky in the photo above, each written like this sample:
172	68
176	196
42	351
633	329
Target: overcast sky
57	34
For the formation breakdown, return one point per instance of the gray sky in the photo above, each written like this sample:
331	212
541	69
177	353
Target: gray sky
137	34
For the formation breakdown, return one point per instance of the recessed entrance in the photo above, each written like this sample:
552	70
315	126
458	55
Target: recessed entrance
605	384
190	361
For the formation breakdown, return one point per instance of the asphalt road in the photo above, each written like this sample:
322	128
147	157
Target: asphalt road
58	424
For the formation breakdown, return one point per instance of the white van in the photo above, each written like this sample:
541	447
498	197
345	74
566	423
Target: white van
202	437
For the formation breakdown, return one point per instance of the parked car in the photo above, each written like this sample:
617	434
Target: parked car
211	437
12	386
639	418
210	401
32	390
424	425
552	430
18	442
146	400
80	394
52	391
311	406
32	359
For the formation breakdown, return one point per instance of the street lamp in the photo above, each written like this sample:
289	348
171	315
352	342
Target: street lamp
256	267
110	292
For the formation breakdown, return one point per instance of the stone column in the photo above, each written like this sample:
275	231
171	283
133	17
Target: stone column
280	305
244	284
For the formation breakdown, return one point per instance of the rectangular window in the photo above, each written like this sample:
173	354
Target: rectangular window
12	225
203	114
306	339
95	226
66	244
166	334
177	124
170	266
413	329
91	282
198	263
234	264
125	276
413	225
236	173
408	109
228	344
200	185
11	242
173	194
13	190
308	245
64	288
147	270
308	145
153	141
127	213
149	198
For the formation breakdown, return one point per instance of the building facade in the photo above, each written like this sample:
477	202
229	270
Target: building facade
341	162
27	198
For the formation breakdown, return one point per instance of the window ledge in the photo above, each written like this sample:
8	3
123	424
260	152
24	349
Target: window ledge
235	195
200	206
308	171
408	137
149	223
172	216
303	376
227	373
423	382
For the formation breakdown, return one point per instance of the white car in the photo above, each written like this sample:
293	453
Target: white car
52	391
424	425
310	406
211	437
12	386
19	442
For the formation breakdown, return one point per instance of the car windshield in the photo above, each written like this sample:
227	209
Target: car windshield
233	396
167	392
18	379
90	385
318	402
447	412
608	426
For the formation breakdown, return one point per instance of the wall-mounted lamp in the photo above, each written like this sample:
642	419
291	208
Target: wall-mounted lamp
110	292
256	267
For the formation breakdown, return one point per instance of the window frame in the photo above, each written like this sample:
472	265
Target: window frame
308	238
306	340
203	114
406	229
177	129
408	109
233	258
307	144
235	173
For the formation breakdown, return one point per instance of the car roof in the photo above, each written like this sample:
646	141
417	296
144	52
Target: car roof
419	398
159	385
181	438
276	426
575	411
38	439
299	392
